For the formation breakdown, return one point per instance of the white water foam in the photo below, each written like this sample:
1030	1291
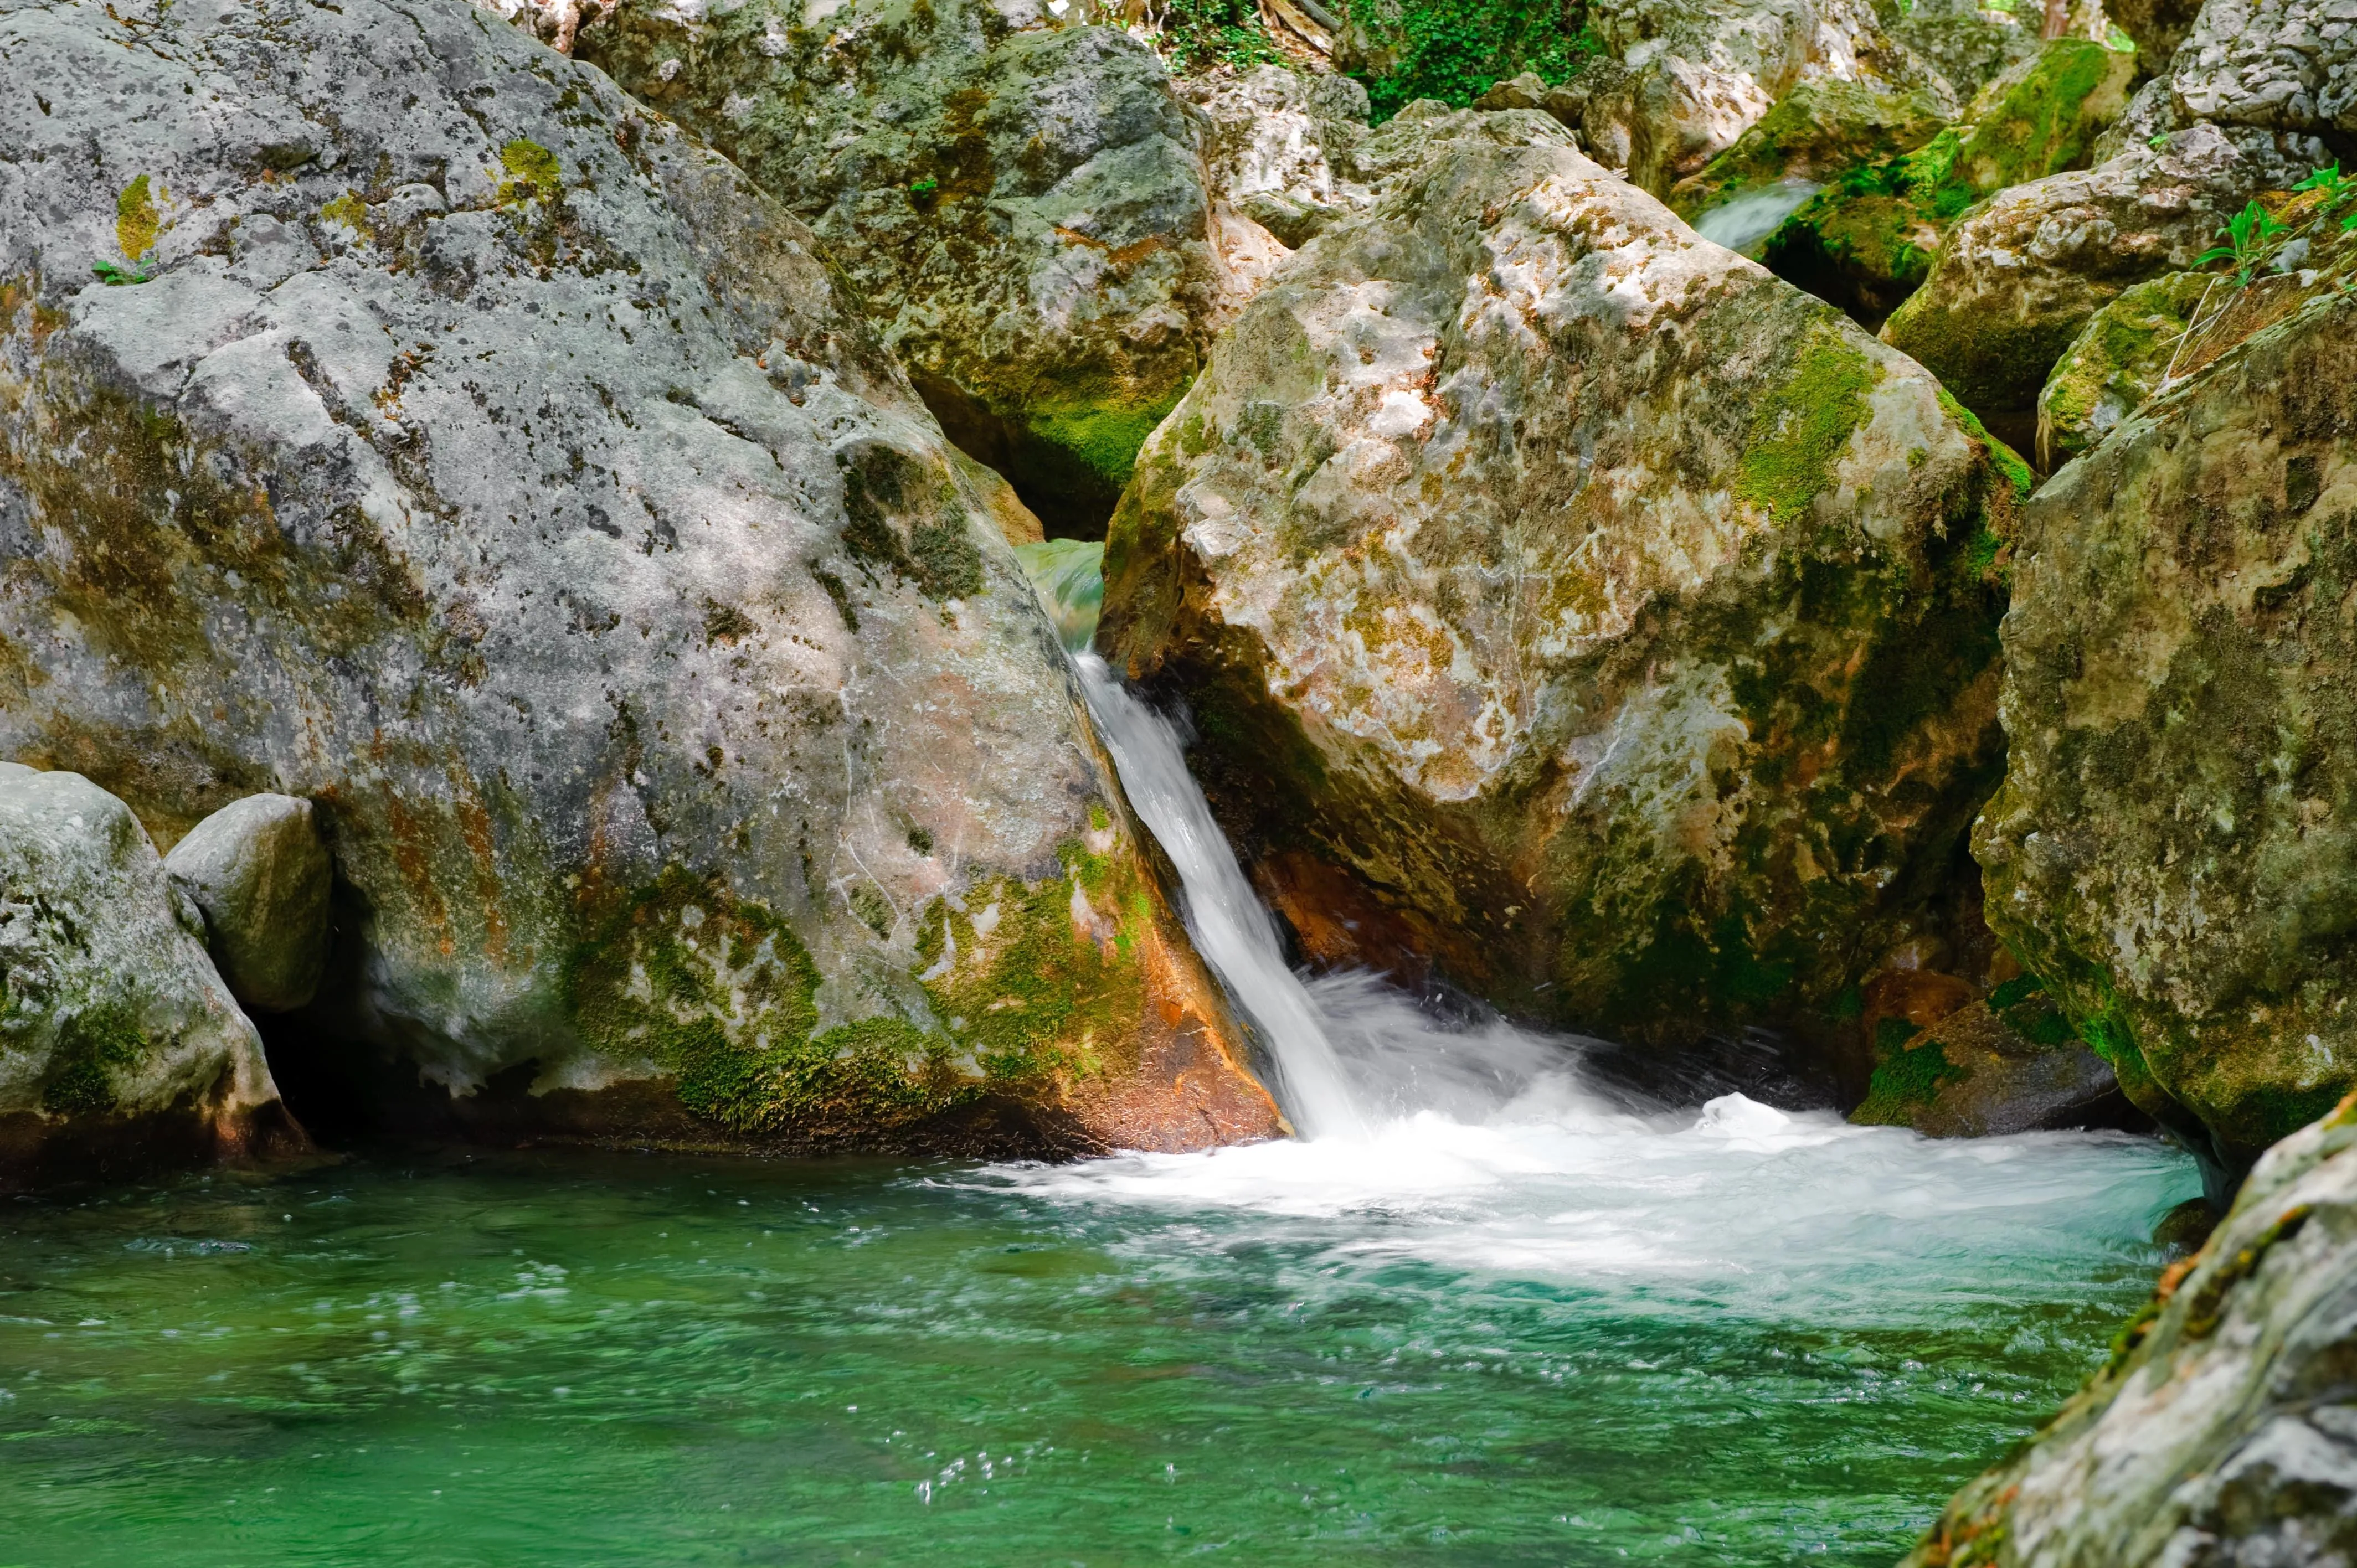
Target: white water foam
1479	1146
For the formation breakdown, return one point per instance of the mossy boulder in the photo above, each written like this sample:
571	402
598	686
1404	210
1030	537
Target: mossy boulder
1815	131
2220	1432
1577	604
120	1047
2018	277
1019	202
1867	240
2115	364
2009	1062
491	466
2175	845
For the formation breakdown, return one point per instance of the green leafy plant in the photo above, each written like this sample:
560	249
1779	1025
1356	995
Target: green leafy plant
2336	190
922	189
1456	50
1200	34
139	271
2252	236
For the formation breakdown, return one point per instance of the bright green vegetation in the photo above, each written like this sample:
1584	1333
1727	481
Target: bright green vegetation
1817	128
1800	430
136	223
1907	1073
1456	50
1200	34
532	173
541	1361
1867	240
1102	437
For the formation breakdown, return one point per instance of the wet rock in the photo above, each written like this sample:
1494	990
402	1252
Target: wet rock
2010	1063
2016	278
261	877
1019	203
2223	1432
119	1045
1612	617
1867	241
515	481
2172	849
1817	131
2116	362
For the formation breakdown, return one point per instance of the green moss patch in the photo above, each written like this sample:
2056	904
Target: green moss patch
1907	1076
91	1047
1800	429
136	221
532	173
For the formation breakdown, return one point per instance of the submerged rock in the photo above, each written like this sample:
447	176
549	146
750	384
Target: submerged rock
119	1045
1019	202
1566	599
2175	845
257	870
489	465
2223	1432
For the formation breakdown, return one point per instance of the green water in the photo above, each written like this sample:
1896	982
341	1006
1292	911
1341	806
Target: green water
1279	1358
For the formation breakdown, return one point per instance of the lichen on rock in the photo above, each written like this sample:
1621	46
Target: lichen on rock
2169	849
561	533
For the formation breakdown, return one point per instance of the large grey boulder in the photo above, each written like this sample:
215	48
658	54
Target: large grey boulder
257	870
2174	850
494	468
117	1038
2224	1434
1562	598
1018	201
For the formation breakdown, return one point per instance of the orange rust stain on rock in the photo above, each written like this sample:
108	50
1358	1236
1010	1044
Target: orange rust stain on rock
475	823
411	855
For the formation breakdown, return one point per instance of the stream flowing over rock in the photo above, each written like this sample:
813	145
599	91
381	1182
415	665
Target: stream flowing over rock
119	1045
2224	1434
1561	596
2174	850
446	440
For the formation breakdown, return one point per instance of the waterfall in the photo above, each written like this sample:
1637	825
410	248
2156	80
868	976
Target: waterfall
1230	928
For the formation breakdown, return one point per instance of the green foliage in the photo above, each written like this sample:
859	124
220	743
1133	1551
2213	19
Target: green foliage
1905	1076
92	1045
2252	236
1200	34
1456	50
117	277
922	189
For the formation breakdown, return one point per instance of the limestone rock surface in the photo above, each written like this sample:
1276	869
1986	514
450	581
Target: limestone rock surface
2287	64
2224	1434
2117	361
1019	203
1968	44
1568	598
117	1038
2020	276
2175	845
491	465
261	877
1682	80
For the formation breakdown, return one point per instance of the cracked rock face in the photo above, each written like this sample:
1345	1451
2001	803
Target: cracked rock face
2222	1435
489	466
116	1031
1560	596
1019	203
2173	850
2289	65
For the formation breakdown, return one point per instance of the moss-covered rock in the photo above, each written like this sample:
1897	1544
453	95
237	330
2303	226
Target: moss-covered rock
1815	131
1617	621
1020	204
2220	1430
2173	849
655	666
119	1045
2018	277
1867	240
2008	1063
2115	364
